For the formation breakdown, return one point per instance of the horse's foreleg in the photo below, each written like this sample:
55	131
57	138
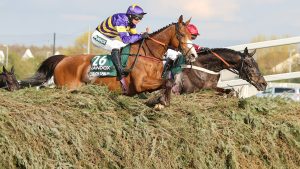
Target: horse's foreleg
165	93
221	90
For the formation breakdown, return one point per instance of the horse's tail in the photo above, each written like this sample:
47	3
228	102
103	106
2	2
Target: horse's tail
44	72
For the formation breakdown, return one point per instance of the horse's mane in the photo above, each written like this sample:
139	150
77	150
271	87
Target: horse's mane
220	51
226	50
159	30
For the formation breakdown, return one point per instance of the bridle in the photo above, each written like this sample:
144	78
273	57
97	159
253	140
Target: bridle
179	36
240	70
246	76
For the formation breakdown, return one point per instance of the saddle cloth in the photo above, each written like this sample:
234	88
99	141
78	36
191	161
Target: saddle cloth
102	65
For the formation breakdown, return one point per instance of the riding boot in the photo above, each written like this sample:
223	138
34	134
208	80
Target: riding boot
167	67
115	57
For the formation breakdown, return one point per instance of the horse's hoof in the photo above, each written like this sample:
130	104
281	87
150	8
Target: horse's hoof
74	91
159	107
176	90
176	93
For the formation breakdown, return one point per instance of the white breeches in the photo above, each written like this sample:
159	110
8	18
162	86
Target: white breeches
172	54
101	41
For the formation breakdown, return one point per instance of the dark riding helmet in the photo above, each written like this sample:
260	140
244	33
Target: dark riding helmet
135	12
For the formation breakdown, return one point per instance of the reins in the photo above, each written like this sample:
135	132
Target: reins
224	61
178	36
138	52
218	56
157	41
154	40
228	65
136	56
238	72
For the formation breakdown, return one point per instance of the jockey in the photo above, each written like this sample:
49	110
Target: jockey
123	26
172	55
194	32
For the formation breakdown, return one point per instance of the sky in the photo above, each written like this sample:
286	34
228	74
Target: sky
221	23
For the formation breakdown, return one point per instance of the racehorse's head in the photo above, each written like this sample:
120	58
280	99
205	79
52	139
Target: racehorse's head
182	39
249	71
9	79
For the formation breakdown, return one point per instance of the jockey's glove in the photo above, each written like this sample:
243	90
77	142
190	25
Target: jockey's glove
145	35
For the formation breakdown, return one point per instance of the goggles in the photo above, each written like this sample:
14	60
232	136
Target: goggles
194	36
137	17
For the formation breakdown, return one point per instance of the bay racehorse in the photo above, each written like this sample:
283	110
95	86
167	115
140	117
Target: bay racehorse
144	61
204	72
8	80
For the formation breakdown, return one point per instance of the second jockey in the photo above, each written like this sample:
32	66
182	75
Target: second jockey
172	55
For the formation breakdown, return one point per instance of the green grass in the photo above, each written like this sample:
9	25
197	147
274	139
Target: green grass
95	128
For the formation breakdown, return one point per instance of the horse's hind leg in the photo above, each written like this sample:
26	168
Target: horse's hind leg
68	83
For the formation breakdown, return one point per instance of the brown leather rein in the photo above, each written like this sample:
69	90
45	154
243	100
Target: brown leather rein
164	45
159	42
138	53
218	56
224	61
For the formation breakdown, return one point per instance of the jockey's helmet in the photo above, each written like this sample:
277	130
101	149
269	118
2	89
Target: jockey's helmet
193	29
135	11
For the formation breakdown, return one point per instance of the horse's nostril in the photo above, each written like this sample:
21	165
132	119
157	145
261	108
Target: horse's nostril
265	84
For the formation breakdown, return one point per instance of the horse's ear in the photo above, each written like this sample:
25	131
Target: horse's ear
12	70
4	70
188	21
246	51
180	20
252	53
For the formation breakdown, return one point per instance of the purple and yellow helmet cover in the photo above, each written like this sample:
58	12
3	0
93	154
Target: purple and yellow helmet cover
135	10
